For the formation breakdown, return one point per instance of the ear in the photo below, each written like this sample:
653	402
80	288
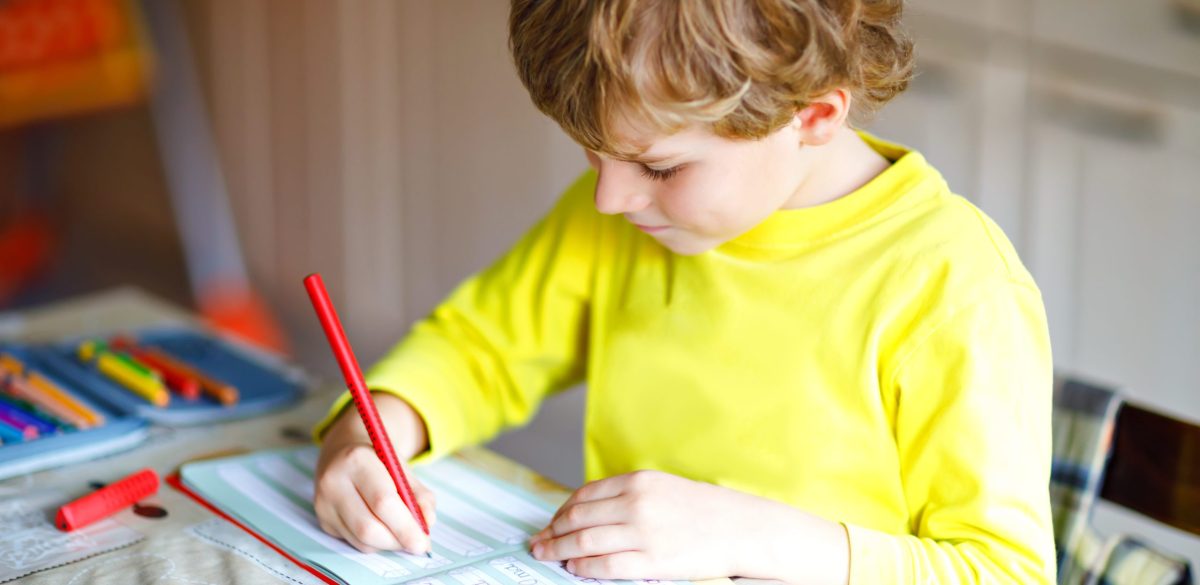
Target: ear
821	119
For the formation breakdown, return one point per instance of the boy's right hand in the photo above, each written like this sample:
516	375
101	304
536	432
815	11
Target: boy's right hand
355	497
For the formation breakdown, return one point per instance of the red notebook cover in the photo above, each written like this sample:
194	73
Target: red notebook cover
174	481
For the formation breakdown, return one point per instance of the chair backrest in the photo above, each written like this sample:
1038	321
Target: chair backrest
1154	468
1133	457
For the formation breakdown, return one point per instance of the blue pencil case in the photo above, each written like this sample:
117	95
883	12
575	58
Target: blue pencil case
263	383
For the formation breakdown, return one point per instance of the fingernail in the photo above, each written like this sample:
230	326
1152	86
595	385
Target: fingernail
537	551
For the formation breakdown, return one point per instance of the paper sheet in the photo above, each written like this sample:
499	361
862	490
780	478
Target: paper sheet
29	542
480	537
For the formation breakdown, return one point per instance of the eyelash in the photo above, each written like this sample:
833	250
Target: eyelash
657	175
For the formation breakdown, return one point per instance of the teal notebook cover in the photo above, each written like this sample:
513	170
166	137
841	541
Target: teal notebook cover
480	537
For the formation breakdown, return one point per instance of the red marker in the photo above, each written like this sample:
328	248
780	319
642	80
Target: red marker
362	397
107	500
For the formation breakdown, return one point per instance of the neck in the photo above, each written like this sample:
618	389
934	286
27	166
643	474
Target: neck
836	169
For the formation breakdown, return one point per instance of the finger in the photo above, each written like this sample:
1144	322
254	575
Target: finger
345	534
428	502
597	490
331	527
362	526
620	565
328	519
598	540
582	515
382	501
329	490
600	489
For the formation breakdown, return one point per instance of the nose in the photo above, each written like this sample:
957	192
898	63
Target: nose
620	190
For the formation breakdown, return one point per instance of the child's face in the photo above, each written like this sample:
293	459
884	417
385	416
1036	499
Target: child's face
693	190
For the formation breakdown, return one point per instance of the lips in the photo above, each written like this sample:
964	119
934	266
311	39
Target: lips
650	229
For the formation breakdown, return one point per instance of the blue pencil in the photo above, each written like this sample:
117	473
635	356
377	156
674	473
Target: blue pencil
27	418
8	434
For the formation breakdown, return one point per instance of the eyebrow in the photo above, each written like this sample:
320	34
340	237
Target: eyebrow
644	159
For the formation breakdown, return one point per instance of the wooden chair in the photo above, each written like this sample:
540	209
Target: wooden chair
1138	459
1155	467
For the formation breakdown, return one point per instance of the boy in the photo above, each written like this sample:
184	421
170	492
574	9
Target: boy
806	359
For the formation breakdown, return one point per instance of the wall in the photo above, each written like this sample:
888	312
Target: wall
391	146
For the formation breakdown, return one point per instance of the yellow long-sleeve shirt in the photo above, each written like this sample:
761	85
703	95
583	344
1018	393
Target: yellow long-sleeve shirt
881	360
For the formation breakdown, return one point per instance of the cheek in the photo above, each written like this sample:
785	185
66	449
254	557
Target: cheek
704	203
689	200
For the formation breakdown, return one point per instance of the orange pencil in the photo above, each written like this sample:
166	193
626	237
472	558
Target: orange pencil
44	393
36	388
44	384
11	365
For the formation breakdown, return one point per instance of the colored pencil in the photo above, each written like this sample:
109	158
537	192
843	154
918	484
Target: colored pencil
363	402
47	392
148	388
15	416
176	377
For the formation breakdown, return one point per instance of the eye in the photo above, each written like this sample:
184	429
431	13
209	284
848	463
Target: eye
660	175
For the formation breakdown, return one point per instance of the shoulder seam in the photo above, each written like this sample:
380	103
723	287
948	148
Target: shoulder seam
988	294
982	218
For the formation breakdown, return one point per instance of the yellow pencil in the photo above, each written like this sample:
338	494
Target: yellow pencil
86	350
150	389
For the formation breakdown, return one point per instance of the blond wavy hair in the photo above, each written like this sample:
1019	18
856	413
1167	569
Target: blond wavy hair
744	67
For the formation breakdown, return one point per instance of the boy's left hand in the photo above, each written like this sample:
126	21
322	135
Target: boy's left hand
649	524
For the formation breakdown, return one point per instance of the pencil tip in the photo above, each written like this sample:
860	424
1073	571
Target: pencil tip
428	554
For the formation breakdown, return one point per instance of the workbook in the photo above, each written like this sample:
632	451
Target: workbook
480	537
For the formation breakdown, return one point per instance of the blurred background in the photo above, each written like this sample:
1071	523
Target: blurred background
214	152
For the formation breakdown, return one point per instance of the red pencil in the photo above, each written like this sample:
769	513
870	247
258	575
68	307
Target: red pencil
187	386
362	397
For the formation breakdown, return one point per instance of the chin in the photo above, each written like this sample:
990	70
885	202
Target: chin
689	246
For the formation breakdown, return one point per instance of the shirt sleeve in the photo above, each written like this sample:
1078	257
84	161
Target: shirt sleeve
974	441
504	339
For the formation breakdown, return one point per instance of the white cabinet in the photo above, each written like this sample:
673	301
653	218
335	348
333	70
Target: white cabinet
1076	125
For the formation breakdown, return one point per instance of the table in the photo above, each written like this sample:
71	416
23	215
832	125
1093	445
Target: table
191	545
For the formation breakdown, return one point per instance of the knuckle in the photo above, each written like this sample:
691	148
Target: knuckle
324	514
324	486
638	479
587	491
639	507
355	455
430	498
574	515
361	457
410	541
427	499
644	477
584	540
604	566
380	501
325	527
363	529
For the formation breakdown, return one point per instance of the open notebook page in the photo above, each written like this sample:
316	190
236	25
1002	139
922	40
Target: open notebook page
480	537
